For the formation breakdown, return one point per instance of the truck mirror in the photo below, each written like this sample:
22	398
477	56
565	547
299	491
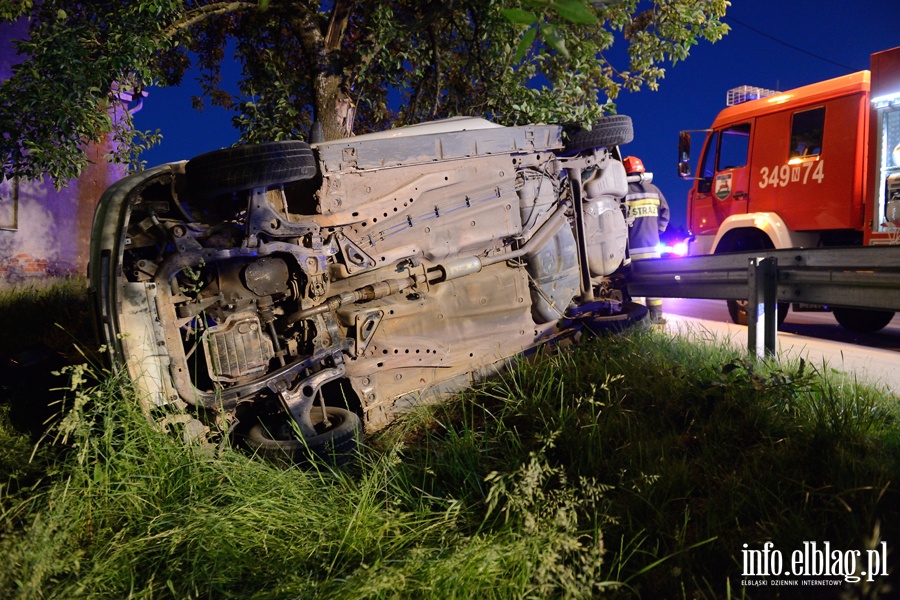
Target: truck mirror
684	154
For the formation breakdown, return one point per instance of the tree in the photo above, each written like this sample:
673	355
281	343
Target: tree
353	66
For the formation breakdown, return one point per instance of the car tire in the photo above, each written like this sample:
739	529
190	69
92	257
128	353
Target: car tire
861	320
612	130
274	438
632	315
242	168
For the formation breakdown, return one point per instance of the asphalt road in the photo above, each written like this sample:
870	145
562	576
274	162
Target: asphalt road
871	358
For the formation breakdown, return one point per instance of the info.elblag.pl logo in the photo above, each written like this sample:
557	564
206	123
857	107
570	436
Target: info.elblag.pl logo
815	560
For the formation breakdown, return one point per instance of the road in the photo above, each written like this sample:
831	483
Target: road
872	358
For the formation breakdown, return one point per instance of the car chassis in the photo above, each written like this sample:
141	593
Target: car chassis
296	287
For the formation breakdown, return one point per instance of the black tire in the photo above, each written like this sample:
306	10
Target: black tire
737	309
861	320
632	315
242	168
613	130
274	438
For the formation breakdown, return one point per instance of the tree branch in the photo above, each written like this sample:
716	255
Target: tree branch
436	57
340	16
202	13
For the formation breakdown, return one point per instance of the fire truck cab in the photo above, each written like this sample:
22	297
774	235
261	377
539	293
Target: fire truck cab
816	166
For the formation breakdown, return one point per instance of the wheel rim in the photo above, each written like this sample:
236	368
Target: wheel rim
273	438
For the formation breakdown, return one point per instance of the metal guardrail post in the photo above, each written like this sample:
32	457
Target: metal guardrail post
865	278
762	312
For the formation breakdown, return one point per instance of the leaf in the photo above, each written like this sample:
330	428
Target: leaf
554	40
575	11
524	44
517	15
61	15
729	367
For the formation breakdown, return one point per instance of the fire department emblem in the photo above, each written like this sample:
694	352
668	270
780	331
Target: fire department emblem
723	186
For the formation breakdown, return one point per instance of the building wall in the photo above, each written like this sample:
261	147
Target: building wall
45	233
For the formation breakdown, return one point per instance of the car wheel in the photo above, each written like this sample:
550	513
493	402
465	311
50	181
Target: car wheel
241	168
335	440
631	315
612	130
861	320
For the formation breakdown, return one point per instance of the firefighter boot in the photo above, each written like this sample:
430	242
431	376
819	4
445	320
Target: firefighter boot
656	314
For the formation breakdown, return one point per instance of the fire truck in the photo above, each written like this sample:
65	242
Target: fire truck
816	166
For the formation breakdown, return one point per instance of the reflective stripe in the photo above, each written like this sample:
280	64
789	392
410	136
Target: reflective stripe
643	202
643	211
641	196
645	250
642	205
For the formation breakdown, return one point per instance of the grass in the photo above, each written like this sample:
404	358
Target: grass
53	314
635	466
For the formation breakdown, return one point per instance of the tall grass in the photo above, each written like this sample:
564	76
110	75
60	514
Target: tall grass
131	512
633	466
697	451
54	314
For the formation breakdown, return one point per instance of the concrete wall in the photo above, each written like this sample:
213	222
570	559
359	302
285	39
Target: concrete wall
51	235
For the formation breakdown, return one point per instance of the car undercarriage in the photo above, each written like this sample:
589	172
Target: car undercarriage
310	291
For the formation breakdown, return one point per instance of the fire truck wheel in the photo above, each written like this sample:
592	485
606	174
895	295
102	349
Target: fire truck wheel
737	309
861	320
612	130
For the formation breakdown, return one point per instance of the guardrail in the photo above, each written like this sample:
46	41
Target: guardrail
867	277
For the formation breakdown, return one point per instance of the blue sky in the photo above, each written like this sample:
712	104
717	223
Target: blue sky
773	44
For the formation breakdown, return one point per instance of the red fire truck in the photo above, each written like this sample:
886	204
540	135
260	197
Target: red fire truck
816	166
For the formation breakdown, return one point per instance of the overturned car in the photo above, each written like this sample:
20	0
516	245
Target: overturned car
310	291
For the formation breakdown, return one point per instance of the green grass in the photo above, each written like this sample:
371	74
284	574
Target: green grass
635	466
54	314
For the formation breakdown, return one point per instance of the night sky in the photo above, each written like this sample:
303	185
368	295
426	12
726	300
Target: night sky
773	44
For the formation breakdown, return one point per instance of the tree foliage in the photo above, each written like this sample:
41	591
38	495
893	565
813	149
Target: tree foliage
352	66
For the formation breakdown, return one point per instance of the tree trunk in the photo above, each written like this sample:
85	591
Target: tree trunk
333	107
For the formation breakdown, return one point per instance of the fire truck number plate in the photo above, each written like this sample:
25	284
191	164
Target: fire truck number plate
785	174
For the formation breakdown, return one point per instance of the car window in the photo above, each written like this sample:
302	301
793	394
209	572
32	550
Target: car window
806	132
734	147
709	156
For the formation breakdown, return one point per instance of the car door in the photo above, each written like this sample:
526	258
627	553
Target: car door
730	185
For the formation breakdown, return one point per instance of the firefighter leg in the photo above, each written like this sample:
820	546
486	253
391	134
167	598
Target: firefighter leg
654	305
656	314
